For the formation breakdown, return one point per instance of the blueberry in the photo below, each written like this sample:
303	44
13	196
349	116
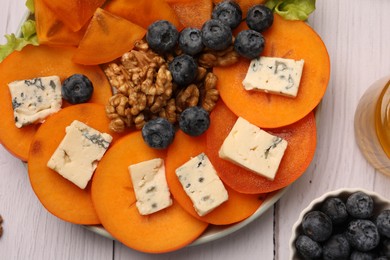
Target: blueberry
362	235
360	205
190	41
249	44
194	121
162	36
229	12
216	35
357	255
77	89
383	223
317	226
336	247
308	248
385	247
335	208
259	18
183	69
158	133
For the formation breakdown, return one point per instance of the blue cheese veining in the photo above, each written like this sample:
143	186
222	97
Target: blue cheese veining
79	152
274	75
35	99
202	184
150	186
254	149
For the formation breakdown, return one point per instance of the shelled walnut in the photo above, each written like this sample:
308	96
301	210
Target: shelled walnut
211	58
143	85
144	89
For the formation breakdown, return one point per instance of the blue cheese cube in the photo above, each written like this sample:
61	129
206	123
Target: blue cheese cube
150	186
274	75
202	184
254	149
35	99
79	152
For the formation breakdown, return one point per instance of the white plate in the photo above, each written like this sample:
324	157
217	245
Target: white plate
213	232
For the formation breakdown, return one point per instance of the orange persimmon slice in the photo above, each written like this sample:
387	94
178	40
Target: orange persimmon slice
192	13
39	61
74	13
50	30
144	12
287	39
114	200
58	195
301	138
238	207
107	37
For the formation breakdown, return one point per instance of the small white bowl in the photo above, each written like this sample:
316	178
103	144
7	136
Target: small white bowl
380	203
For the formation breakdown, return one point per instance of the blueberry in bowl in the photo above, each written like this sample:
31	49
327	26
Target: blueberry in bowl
77	89
216	35
190	41
162	36
353	236
184	69
229	12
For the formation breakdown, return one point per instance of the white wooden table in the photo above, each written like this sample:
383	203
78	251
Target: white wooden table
357	35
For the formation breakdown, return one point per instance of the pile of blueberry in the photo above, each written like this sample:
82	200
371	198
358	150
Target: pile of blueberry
345	230
216	34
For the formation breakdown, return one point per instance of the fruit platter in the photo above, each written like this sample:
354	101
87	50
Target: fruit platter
137	117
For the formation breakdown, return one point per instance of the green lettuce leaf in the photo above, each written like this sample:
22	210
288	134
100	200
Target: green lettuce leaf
292	9
30	6
29	36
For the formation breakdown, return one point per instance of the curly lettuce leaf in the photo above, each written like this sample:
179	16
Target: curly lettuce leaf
292	9
14	43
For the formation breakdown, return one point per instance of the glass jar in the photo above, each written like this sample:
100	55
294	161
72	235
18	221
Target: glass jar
372	125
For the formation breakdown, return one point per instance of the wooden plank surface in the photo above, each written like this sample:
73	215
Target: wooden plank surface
358	39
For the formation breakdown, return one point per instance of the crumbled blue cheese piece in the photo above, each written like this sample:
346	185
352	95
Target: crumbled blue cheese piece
150	186
35	99
274	75
254	149
79	152
202	184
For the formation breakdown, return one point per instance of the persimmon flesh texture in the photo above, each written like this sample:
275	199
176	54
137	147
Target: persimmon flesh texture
107	37
40	61
238	207
286	39
301	138
58	195
114	200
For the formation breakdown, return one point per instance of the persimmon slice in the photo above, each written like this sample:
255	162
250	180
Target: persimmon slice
143	12
74	13
50	30
186	10
107	37
58	195
301	138
238	207
39	61
287	39
114	200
